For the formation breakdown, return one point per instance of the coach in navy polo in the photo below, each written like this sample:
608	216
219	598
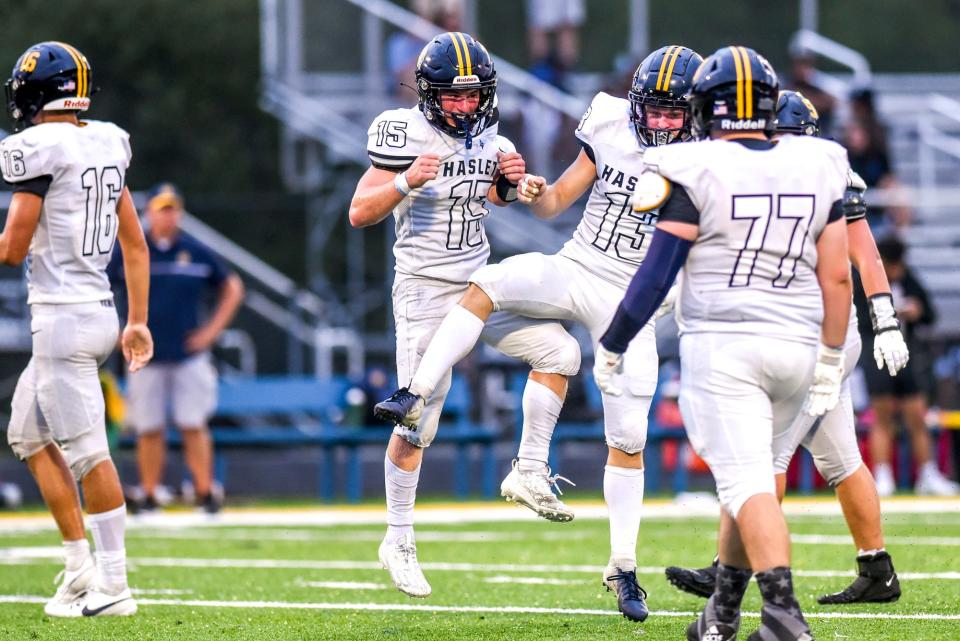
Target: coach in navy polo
181	378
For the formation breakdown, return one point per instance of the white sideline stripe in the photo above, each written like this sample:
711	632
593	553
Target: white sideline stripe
270	534
30	555
343	585
160	591
483	512
407	607
533	580
845	539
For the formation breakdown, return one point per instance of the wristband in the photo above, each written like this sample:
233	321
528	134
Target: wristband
506	190
883	317
400	183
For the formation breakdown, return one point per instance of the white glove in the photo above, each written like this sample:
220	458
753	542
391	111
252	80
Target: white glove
888	344
890	348
824	391
605	365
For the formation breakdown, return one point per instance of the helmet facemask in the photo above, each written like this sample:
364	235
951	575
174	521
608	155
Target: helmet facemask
464	125
649	136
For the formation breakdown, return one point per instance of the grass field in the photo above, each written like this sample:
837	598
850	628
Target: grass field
268	576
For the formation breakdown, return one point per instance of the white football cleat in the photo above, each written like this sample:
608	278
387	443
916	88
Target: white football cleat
399	558
73	585
534	490
97	603
934	483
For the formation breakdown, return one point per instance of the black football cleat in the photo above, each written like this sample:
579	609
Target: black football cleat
699	582
876	582
631	598
402	408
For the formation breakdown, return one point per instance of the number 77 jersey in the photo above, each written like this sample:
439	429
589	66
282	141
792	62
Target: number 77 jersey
83	169
762	207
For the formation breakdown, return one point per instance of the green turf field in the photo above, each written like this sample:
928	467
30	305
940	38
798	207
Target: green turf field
491	580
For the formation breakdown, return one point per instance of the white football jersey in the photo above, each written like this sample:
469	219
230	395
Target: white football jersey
611	239
752	268
440	224
78	221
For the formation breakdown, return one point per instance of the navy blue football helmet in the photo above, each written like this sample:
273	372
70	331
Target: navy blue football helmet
52	76
796	115
663	79
453	61
735	89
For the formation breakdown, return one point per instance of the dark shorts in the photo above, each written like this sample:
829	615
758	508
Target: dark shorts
879	381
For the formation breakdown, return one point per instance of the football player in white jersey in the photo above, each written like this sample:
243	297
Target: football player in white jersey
436	167
833	441
70	204
763	311
584	282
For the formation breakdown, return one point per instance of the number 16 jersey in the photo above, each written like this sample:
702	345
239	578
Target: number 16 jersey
85	166
439	225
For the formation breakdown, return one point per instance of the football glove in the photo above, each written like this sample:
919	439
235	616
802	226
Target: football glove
824	391
889	348
605	365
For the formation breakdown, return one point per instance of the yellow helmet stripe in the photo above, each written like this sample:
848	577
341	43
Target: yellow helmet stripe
663	67
81	69
456	47
748	72
738	65
673	62
466	54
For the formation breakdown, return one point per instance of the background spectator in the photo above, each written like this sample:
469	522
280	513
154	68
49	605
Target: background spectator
801	79
403	49
181	377
902	395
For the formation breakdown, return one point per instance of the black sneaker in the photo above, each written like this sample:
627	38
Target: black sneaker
210	504
876	583
699	582
402	408
631	598
145	505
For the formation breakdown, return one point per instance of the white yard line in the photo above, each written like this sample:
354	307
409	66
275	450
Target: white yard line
533	580
477	513
343	585
407	607
844	539
33	555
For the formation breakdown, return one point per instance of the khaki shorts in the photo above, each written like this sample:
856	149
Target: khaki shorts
185	391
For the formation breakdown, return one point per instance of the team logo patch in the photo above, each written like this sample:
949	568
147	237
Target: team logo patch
720	109
183	257
69	85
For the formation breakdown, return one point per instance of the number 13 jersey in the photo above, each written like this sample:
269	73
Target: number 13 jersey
611	239
78	224
761	210
439	225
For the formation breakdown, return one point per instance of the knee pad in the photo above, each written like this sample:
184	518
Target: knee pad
561	353
83	452
625	421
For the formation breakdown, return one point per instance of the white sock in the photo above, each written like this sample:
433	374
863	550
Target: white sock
870	552
108	530
458	333
883	470
541	408
929	470
623	492
75	553
401	495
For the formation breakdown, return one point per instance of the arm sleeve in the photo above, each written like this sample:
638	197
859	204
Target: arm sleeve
393	142
39	185
649	287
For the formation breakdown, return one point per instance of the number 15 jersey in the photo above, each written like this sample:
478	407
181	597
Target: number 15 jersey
440	224
78	224
761	210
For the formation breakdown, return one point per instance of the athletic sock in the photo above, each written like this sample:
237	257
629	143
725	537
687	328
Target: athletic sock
108	530
541	409
401	489
75	553
623	493
458	333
